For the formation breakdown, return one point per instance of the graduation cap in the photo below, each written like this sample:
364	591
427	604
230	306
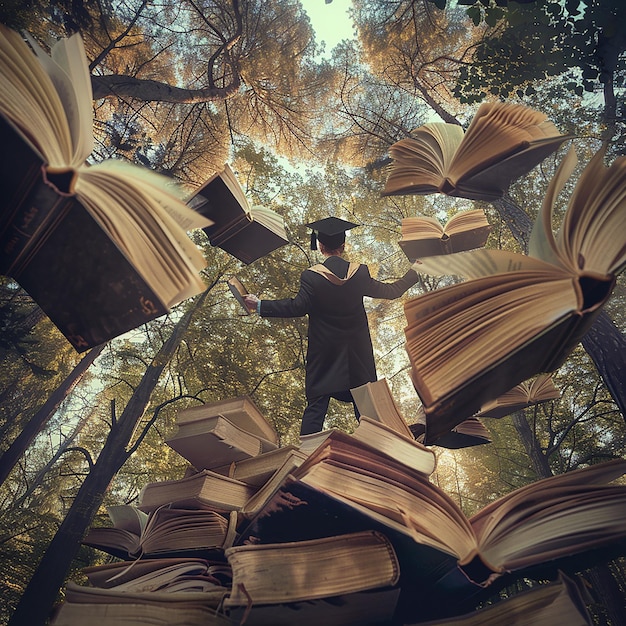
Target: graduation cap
331	231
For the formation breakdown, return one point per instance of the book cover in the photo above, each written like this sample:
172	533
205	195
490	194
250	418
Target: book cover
246	232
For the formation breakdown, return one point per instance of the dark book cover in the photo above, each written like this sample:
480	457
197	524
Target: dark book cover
234	229
59	254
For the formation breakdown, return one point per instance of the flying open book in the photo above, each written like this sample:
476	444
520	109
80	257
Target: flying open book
517	315
528	393
101	248
425	236
244	231
503	142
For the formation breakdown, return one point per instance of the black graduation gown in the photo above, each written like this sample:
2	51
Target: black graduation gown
339	354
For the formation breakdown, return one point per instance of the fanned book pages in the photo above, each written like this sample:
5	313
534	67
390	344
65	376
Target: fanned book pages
164	531
517	315
244	231
503	143
470	432
425	236
100	248
573	521
153	574
526	394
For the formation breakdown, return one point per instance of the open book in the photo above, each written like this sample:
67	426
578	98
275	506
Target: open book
101	248
164	531
246	232
503	142
425	236
517	315
528	393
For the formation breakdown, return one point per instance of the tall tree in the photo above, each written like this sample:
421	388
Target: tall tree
39	596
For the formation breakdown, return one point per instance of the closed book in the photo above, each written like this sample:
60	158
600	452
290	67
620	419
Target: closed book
311	569
215	441
205	489
241	411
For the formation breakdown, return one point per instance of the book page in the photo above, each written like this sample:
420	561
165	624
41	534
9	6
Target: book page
592	234
497	130
69	72
464	221
542	243
270	219
30	101
481	262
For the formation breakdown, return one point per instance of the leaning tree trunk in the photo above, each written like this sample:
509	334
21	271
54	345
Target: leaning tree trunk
40	595
17	449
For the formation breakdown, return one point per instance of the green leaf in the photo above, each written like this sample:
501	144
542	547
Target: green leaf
474	14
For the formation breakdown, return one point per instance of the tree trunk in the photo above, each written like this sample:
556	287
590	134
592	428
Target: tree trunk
36	423
607	348
41	593
531	445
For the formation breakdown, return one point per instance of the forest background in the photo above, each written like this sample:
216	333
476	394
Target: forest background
182	87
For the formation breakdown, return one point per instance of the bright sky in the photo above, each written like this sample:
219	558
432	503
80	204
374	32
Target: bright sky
330	21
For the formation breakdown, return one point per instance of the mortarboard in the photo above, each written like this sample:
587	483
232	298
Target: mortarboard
331	231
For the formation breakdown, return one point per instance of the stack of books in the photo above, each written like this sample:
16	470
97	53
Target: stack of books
347	528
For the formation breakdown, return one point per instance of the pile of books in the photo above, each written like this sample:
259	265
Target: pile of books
342	529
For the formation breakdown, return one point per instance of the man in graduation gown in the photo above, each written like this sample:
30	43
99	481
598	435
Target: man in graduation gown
339	354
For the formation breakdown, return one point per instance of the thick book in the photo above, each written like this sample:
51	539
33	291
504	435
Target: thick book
246	232
311	569
502	143
425	236
526	394
206	489
241	411
164	531
517	315
570	521
397	445
109	607
375	400
215	441
101	248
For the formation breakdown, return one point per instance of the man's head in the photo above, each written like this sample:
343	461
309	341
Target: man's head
331	233
328	251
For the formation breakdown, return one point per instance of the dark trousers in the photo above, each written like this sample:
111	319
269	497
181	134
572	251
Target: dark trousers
315	412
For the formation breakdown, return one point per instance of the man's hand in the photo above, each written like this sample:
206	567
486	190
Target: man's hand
251	302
